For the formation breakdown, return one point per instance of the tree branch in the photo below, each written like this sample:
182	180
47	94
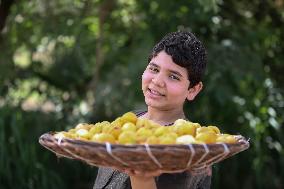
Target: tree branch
104	11
5	6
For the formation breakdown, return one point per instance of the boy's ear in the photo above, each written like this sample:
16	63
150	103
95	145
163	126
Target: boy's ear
193	91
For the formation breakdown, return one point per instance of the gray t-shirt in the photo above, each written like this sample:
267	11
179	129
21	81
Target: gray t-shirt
108	178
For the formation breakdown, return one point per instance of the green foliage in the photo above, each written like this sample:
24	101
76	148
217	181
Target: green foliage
24	163
64	62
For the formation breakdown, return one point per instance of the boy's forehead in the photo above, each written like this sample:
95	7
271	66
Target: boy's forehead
163	59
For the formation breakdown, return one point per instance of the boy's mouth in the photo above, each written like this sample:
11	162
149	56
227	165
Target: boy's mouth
154	92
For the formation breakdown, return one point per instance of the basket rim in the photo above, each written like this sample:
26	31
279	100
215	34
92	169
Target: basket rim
244	142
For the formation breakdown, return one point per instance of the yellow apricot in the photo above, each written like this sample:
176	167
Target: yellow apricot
152	140
69	135
72	131
214	128
115	131
204	130
167	140
83	126
127	137
185	139
96	129
170	134
103	137
83	133
129	127
153	125
196	125
144	132
161	131
140	122
129	117
225	138
118	122
184	129
180	122
206	137
149	124
106	127
104	123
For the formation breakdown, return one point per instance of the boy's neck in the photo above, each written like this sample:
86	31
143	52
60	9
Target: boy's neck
164	117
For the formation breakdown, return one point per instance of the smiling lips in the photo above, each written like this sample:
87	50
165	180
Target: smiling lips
155	93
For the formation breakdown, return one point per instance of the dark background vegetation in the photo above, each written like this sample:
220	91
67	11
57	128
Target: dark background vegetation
70	61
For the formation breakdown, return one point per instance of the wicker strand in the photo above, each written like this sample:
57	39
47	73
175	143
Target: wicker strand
220	156
57	154
234	153
204	155
59	140
201	167
211	161
223	155
42	142
191	154
71	153
108	148
152	156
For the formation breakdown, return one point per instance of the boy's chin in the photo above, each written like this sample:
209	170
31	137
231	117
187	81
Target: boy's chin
152	104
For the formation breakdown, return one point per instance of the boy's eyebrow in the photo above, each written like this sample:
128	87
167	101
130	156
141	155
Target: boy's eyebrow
153	64
175	72
172	71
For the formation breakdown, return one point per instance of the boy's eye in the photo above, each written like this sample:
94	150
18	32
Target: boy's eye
174	77
153	69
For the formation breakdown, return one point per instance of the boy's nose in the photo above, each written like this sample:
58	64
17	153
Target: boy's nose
159	81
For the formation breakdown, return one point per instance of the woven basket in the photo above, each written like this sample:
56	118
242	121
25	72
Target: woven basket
146	158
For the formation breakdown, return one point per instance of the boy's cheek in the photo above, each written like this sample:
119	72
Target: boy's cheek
173	90
146	77
176	93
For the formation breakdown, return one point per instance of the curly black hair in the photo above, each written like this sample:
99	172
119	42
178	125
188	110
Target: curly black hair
187	51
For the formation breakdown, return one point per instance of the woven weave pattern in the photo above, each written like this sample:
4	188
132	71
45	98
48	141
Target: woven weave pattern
167	158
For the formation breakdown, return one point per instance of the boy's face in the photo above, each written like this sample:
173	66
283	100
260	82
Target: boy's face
165	84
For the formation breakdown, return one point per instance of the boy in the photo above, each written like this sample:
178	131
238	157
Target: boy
172	76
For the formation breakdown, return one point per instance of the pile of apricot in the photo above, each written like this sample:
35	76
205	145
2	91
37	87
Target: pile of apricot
129	129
